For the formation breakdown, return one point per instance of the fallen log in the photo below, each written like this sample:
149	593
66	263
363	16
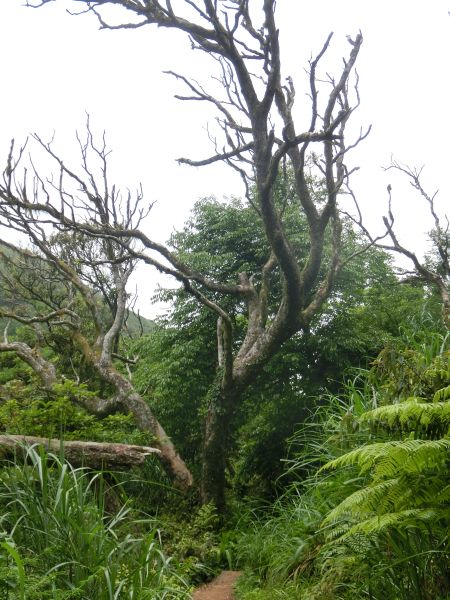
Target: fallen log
95	455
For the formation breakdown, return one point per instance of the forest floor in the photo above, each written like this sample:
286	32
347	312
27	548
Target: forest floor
221	588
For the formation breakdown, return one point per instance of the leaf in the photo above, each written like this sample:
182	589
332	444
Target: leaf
19	564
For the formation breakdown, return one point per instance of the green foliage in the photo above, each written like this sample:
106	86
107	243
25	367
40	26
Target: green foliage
59	533
368	524
27	410
384	459
406	480
417	366
12	369
378	508
194	542
178	361
432	419
16	574
174	371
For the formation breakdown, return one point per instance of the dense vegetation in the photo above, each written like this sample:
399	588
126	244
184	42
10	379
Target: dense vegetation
290	414
338	468
370	518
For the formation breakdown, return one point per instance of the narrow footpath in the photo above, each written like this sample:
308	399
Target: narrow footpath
221	588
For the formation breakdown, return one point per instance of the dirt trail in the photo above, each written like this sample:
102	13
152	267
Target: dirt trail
221	588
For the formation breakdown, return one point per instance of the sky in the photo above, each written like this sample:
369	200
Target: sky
56	67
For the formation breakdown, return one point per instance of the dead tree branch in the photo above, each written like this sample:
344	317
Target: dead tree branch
95	455
434	269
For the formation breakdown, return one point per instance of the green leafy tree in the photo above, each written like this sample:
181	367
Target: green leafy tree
178	363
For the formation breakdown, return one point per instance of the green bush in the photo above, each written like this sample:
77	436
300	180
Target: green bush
26	410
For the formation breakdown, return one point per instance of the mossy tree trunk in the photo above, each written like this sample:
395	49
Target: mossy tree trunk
216	443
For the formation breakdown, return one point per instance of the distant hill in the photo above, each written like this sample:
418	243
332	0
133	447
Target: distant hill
137	324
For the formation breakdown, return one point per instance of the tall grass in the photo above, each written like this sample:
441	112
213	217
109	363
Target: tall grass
59	533
280	548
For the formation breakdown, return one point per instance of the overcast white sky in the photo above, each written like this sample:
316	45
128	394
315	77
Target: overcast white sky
55	67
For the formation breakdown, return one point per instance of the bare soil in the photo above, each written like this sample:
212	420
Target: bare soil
221	588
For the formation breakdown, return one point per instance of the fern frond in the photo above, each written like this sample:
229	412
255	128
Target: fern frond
393	495
412	414
443	496
442	394
387	459
364	500
411	456
402	520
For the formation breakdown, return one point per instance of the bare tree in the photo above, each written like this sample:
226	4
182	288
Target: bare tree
435	272
434	269
259	134
67	281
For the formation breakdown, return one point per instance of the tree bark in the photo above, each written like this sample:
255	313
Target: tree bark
43	368
94	455
215	444
145	420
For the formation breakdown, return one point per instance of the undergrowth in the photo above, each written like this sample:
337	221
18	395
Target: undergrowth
369	515
60	541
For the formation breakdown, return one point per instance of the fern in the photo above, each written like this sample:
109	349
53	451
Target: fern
392	495
367	499
442	394
424	418
402	520
405	477
379	509
387	459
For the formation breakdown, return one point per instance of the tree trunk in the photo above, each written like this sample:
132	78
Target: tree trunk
95	455
215	444
129	399
146	421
